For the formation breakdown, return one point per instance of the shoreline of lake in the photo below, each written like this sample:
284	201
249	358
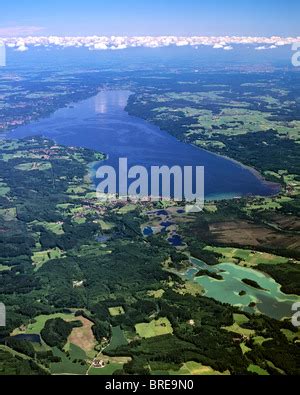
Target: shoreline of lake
104	117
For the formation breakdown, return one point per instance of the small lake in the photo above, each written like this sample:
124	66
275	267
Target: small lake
269	300
33	338
101	123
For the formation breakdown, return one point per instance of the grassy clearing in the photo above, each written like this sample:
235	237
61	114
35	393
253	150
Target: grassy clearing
291	336
105	225
156	294
75	190
8	214
266	204
54	227
240	319
244	348
127	208
75	352
66	366
189	287
159	327
4	267
41	166
117	339
79	220
258	370
115	311
39	258
195	368
235	328
108	370
210	208
259	340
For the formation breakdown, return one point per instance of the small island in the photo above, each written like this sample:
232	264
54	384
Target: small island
252	283
214	275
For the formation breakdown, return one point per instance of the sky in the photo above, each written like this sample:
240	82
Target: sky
150	17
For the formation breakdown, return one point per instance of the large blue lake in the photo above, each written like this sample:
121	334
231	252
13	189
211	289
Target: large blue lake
102	124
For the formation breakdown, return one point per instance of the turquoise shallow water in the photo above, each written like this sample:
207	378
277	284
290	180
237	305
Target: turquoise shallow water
269	300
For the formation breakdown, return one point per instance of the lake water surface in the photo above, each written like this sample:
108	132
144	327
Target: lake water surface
268	299
102	124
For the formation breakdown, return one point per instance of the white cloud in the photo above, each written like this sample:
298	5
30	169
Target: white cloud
22	48
264	47
119	43
218	46
121	46
100	46
261	48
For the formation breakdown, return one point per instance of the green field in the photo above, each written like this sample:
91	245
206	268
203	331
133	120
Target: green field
66	366
195	368
109	369
75	352
127	208
159	327
42	166
54	227
117	338
76	189
235	328
263	204
258	370
292	336
4	267
240	319
246	257
115	311
41	257
8	214
39	323
105	225
156	294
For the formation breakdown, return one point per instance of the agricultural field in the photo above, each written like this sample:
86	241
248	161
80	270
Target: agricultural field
247	258
109	369
117	338
38	323
54	227
68	364
159	327
83	337
195	368
240	319
258	370
39	258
